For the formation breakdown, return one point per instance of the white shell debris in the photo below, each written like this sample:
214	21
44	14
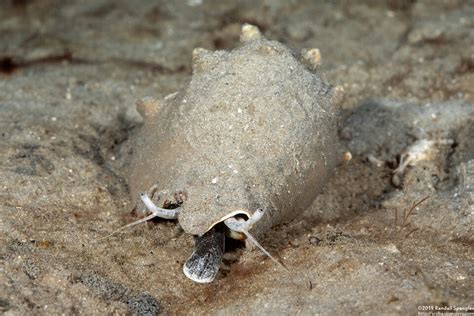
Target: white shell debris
422	149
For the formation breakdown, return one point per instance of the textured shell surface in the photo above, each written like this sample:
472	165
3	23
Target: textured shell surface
254	127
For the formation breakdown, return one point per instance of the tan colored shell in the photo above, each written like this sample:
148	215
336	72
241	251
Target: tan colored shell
254	128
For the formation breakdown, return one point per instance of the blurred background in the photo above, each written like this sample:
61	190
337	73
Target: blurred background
70	72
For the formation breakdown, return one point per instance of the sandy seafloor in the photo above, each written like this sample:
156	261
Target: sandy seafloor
70	72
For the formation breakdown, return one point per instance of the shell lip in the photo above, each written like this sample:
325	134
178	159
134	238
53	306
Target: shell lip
229	215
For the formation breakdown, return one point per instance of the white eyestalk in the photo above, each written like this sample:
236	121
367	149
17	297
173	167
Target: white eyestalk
243	226
155	212
158	211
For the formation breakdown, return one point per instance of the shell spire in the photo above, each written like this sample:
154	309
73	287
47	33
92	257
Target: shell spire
250	33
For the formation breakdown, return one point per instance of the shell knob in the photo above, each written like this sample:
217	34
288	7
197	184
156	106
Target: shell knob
250	33
147	107
337	96
312	57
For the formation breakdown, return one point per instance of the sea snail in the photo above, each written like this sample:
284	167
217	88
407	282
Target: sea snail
246	145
